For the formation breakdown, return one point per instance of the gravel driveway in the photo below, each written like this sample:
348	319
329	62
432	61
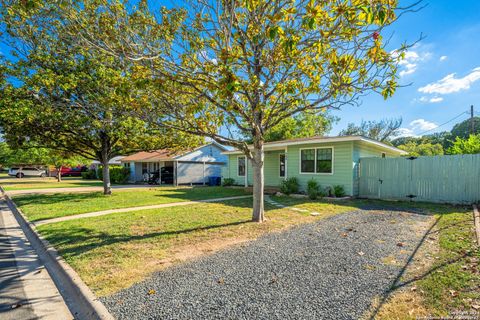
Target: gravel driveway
331	269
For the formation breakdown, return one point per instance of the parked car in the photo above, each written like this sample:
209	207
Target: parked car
72	172
21	172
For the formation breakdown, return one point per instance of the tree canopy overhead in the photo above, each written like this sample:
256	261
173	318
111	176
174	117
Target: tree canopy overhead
60	94
249	64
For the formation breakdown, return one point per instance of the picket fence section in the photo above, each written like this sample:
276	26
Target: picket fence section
446	179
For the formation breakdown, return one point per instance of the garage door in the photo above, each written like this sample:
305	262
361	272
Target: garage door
197	172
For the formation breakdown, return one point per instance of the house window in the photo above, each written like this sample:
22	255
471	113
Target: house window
308	161
282	165
241	166
318	160
144	167
324	160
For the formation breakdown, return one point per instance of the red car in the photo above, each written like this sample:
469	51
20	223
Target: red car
72	172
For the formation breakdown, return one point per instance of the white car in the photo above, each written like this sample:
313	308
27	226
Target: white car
21	172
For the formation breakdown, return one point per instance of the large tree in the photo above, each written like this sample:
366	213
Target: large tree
383	130
59	94
470	145
303	125
251	63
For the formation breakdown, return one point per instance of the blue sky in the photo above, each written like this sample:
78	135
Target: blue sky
440	70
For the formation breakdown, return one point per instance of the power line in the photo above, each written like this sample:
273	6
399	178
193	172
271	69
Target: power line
461	114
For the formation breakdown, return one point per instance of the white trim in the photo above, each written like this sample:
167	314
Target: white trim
284	164
245	162
315	161
271	146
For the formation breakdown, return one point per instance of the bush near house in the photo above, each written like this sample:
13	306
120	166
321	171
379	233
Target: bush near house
339	191
118	174
90	174
290	186
313	190
227	182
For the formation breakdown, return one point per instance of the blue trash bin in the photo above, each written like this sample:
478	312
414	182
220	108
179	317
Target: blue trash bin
214	181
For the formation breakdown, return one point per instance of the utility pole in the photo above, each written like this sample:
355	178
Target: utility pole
472	122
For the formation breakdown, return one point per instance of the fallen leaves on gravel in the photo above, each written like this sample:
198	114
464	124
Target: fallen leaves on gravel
151	291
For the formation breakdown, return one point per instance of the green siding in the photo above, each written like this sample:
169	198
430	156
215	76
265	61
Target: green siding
342	166
346	157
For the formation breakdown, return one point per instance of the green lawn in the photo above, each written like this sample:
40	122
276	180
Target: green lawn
453	282
443	276
112	252
46	206
11	184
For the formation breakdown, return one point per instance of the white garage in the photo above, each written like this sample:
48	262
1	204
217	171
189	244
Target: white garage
181	168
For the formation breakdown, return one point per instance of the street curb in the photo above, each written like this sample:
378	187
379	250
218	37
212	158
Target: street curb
81	301
476	220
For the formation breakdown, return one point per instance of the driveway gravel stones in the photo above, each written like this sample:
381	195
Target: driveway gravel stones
331	269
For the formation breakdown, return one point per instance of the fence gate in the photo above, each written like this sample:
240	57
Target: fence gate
449	179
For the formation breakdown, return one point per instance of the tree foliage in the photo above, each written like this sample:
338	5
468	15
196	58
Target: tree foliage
303	125
463	129
422	149
62	95
470	145
383	130
249	64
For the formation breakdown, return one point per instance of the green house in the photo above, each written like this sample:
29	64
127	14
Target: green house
329	160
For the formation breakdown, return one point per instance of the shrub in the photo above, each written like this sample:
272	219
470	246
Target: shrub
313	189
227	182
339	191
90	174
289	186
118	174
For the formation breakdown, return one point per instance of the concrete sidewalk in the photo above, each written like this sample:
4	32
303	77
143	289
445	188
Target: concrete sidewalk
26	289
76	189
155	206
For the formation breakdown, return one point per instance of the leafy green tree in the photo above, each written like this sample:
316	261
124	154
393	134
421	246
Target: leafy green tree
422	149
303	125
463	129
383	130
470	145
249	64
57	93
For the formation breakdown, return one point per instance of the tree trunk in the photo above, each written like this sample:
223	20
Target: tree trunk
59	174
258	182
107	188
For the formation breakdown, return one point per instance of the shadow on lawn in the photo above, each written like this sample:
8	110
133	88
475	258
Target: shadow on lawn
81	240
399	281
195	193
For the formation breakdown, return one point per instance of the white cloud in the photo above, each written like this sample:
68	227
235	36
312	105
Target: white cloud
430	100
451	84
435	99
422	125
443	58
410	61
415	127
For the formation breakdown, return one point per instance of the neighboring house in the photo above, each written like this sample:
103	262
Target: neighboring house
115	161
329	160
187	167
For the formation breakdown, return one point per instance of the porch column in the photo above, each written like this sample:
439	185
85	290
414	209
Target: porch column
203	172
159	173
175	171
286	163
